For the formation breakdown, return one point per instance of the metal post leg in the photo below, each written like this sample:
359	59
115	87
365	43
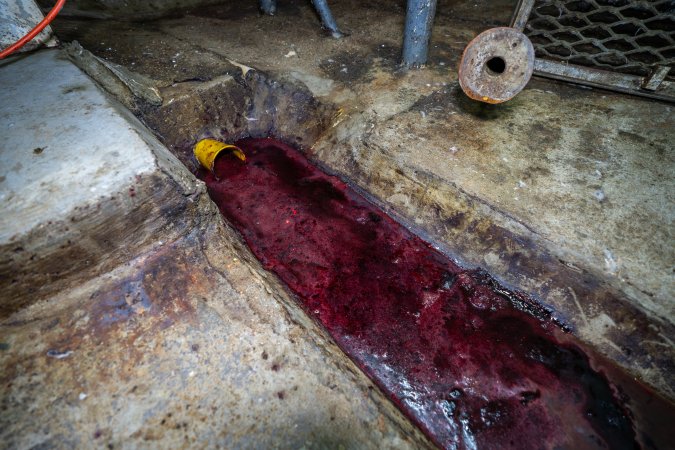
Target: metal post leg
418	22
268	7
327	19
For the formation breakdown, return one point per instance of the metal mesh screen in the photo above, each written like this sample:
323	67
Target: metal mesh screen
631	37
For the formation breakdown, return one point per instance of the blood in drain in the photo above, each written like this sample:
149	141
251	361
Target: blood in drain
457	353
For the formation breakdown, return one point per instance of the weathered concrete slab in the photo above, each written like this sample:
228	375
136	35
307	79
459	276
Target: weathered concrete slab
598	190
187	345
83	185
197	306
563	193
130	316
605	224
53	161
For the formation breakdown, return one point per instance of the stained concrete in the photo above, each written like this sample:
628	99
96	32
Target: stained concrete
187	345
82	184
563	193
53	162
131	316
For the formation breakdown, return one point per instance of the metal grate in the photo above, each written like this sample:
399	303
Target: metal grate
625	36
635	38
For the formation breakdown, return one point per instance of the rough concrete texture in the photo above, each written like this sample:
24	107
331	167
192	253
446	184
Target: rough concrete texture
131	317
80	181
539	134
185	346
562	193
32	187
17	18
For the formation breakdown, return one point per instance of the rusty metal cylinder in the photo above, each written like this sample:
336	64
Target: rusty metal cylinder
496	65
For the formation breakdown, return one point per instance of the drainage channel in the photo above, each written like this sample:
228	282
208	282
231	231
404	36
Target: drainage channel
472	364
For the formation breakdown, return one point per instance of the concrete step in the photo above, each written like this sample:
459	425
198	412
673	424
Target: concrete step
83	185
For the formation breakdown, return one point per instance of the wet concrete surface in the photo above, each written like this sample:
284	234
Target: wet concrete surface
130	316
563	194
184	347
470	362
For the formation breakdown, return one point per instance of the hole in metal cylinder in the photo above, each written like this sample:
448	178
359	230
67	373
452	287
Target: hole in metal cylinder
495	65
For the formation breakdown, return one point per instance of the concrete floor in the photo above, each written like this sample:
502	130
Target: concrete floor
131	316
564	193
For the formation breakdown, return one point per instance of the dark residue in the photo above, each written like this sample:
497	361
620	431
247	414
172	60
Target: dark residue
352	66
77	88
472	363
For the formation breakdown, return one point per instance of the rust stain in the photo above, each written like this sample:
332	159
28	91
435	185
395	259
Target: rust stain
156	297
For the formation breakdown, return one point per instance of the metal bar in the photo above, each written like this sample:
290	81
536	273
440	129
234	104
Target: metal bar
629	84
418	21
653	81
268	7
327	19
521	14
604	76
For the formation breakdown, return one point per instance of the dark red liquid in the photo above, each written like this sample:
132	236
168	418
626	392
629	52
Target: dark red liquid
457	353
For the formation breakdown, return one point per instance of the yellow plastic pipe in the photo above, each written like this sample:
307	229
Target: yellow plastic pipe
207	150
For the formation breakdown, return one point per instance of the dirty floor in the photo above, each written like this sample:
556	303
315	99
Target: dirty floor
564	194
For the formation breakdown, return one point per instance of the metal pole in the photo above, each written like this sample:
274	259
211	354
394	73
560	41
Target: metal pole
327	19
268	7
418	21
521	14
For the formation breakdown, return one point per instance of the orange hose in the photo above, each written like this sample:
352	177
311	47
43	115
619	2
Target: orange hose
35	31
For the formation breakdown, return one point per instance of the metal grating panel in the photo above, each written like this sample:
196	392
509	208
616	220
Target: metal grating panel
621	35
634	38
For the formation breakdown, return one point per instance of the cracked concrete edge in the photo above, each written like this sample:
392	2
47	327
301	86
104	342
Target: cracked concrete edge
126	86
230	238
459	224
96	236
250	102
122	229
217	242
265	86
452	220
233	106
